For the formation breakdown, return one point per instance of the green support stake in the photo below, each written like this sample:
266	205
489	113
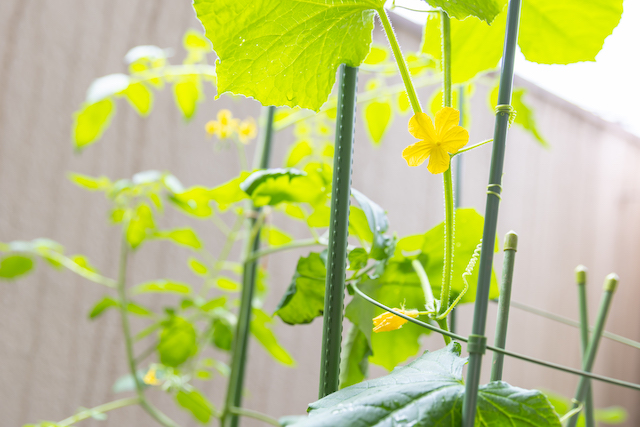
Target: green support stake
610	284
338	231
477	340
249	268
510	248
581	280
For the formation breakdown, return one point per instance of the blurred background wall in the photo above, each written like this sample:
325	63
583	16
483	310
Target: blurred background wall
577	202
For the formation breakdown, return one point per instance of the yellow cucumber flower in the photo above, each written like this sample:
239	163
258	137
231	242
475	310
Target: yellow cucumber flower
388	321
224	127
435	142
247	130
150	377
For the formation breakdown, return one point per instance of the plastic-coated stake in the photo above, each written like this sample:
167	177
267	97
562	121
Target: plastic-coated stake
610	284
338	231
581	280
510	248
491	211
249	268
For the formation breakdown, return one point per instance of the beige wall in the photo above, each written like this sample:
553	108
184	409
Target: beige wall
576	203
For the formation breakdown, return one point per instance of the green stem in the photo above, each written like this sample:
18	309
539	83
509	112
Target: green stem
402	64
472	147
338	231
249	274
610	284
491	213
255	415
80	271
88	413
447	271
510	248
446	58
581	280
224	254
126	330
302	243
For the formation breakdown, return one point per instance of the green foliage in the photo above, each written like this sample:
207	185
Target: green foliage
295	46
197	404
524	114
434	384
566	32
140	224
265	336
162	286
274	236
198	267
298	152
188	93
354	364
358	259
91	121
14	266
485	10
378	116
194	201
222	334
182	236
378	224
611	415
101	306
304	299
275	186
178	342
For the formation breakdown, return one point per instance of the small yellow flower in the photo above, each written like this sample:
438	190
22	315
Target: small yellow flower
247	130
224	127
390	322
150	377
436	142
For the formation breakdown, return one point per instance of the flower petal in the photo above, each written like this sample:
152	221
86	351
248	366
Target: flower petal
439	160
446	118
421	126
417	153
454	139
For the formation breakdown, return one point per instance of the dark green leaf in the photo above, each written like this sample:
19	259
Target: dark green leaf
13	266
297	45
260	331
196	403
177	342
429	392
304	299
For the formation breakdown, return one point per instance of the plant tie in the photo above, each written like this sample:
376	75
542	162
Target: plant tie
499	187
477	344
506	108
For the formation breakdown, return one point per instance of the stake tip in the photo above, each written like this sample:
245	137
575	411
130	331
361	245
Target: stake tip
581	274
511	241
611	282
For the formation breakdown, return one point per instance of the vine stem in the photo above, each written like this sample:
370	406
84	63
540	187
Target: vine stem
255	415
402	64
302	243
126	330
88	413
447	181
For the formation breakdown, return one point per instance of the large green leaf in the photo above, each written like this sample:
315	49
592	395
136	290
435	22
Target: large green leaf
460	9
275	186
475	46
354	364
286	52
428	392
261	331
304	299
563	32
181	236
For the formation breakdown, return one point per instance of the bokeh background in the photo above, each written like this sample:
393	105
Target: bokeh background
575	203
